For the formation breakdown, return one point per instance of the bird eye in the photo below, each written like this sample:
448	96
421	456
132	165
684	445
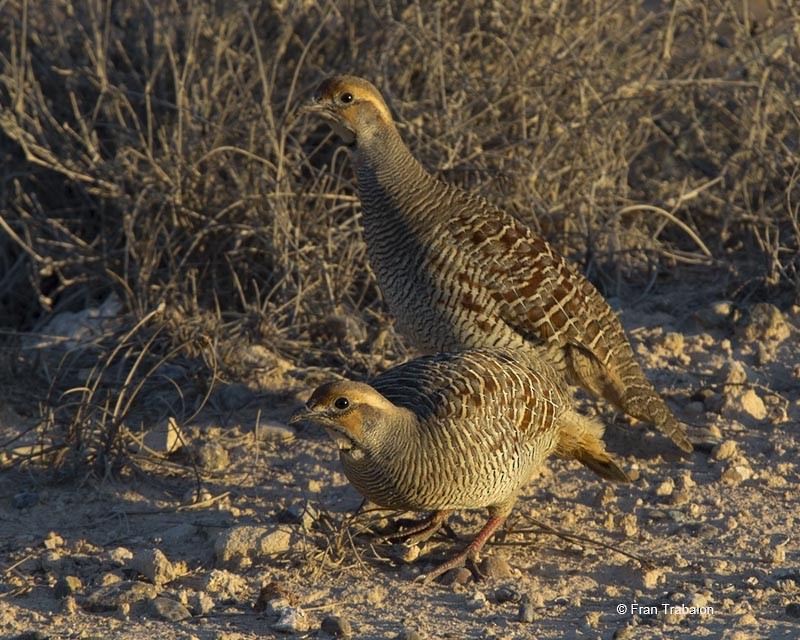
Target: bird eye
341	403
346	97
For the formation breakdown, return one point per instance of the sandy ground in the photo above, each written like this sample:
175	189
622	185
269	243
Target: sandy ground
700	546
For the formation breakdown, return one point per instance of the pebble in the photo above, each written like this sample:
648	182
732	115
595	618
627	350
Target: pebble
224	584
67	586
110	597
733	373
336	626
652	578
212	456
476	600
495	567
291	620
119	556
459	575
765	322
201	603
506	594
747	620
53	541
527	611
376	595
726	450
666	488
715	316
179	533
409	634
793	609
240	546
737	473
168	609
154	565
752	404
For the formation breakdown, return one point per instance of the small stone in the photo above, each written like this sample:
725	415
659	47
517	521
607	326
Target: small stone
154	565
201	603
793	609
409	634
753	405
765	322
698	600
274	432
164	438
495	567
69	605
666	488
52	562
336	627
168	609
747	620
507	594
119	556
527	612
67	586
715	316
224	584
459	575
212	456
623	633
652	578
53	541
179	533
109	598
733	373
302	513
726	450
291	620
240	546
737	473
476	600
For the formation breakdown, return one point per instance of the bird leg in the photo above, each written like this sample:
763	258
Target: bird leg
470	553
424	529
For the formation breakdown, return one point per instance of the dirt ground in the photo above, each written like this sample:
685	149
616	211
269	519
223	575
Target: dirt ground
701	546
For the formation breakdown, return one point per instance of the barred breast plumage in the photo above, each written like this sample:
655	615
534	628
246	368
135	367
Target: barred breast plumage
457	272
455	431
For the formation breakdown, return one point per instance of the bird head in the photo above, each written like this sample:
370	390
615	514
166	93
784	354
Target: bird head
348	411
352	106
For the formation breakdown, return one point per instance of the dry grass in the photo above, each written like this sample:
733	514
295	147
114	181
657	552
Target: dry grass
152	150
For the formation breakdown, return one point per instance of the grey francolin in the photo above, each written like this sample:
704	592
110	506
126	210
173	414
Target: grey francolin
457	272
453	431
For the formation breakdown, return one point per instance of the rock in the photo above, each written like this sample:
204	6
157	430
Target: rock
725	451
212	456
53	541
527	611
652	578
179	533
793	609
224	584
737	472
164	438
274	432
733	373
201	603
507	594
67	586
753	405
53	562
109	598
302	513
715	316
241	546
168	609
765	322
495	567
459	575
119	556
69	606
154	565
336	627
291	620
476	600
665	488
409	634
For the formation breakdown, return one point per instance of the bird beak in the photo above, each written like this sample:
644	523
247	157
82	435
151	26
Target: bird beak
304	415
